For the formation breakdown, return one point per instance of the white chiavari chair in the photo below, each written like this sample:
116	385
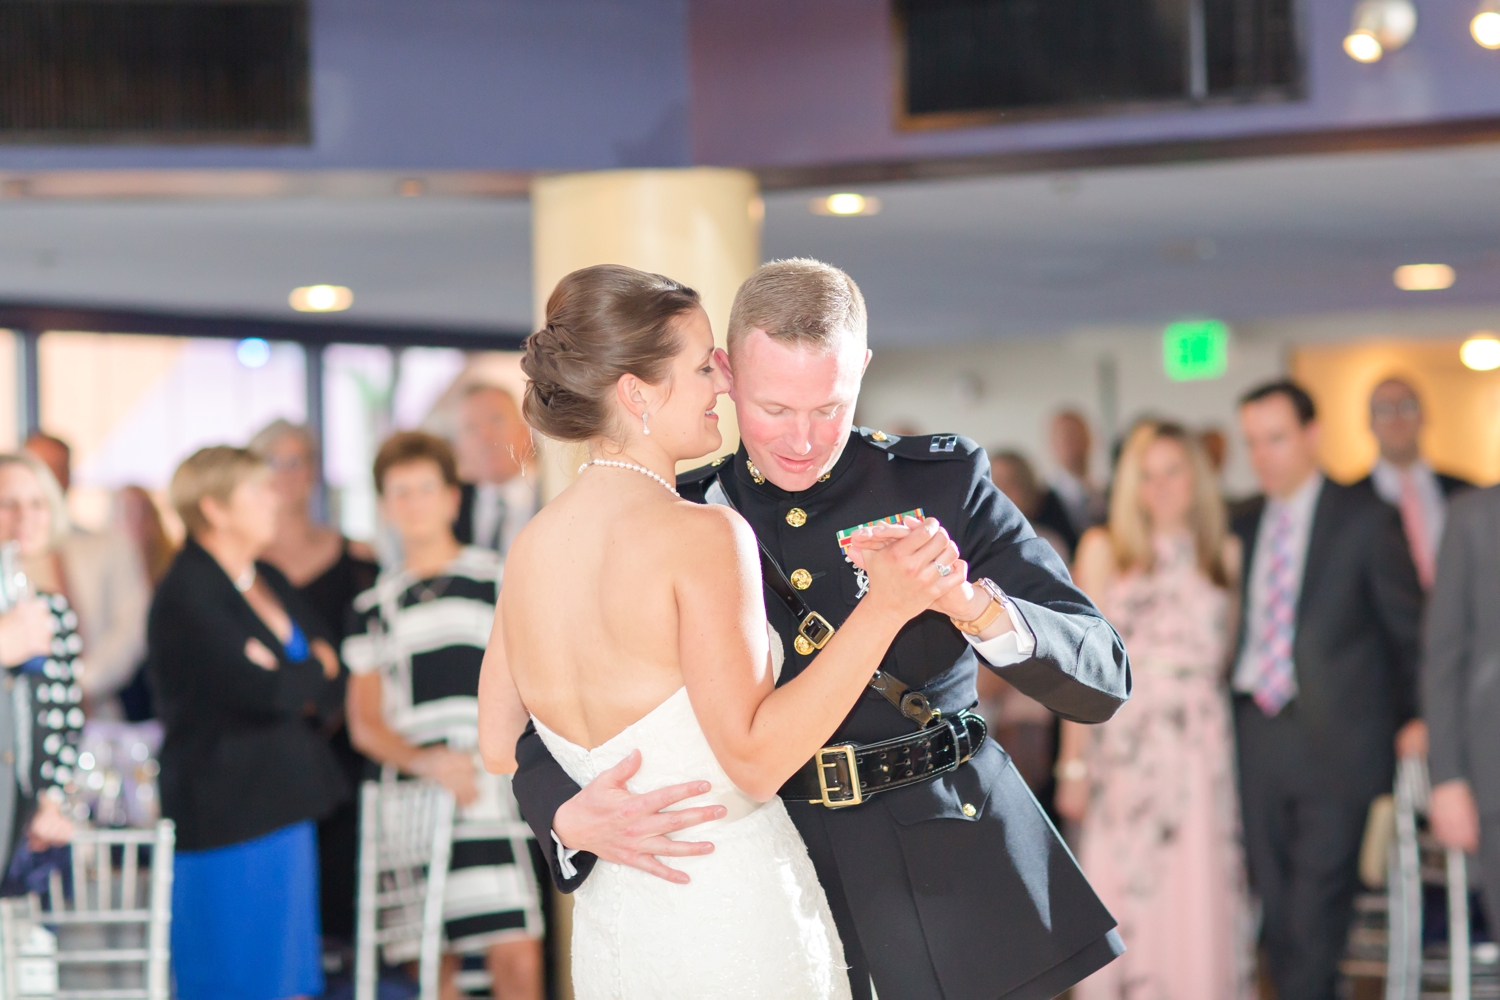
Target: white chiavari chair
406	834
116	921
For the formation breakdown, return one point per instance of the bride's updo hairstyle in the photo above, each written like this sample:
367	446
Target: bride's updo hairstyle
602	322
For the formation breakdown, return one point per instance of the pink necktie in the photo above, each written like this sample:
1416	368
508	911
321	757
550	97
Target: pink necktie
1275	683
1414	521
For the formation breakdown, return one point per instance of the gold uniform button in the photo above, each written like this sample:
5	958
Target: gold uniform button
803	645
801	579
969	810
878	436
796	517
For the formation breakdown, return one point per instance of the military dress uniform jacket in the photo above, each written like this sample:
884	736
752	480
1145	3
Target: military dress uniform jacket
957	887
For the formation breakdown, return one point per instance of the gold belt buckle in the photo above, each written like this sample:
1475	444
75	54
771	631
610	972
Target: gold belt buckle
855	796
813	634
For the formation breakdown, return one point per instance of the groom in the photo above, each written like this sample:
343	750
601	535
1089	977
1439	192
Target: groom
953	884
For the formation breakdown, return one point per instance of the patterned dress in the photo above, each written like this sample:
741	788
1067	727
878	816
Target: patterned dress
426	638
1160	841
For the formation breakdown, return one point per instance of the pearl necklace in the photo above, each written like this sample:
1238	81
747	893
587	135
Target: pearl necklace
634	468
245	580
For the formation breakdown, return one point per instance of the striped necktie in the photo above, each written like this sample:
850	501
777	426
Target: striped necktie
1275	683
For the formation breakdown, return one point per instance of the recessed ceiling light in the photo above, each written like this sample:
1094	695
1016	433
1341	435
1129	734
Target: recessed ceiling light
321	298
1486	25
1481	352
1361	46
1423	277
845	203
1380	26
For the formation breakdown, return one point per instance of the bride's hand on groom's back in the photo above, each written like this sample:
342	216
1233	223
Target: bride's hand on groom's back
607	819
911	566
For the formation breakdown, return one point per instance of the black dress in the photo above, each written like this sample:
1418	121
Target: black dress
331	594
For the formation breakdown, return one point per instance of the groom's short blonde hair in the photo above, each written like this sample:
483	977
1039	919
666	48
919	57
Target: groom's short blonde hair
801	302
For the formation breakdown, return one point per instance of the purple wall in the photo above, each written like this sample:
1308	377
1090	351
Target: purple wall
789	83
465	84
525	85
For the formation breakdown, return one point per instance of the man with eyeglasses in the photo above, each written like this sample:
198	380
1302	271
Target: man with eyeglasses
1402	479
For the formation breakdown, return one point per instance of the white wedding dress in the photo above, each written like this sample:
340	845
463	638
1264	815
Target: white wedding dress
752	923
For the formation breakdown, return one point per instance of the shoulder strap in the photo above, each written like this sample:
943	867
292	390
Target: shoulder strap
814	631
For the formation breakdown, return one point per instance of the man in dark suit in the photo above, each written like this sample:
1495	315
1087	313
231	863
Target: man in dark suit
1324	680
945	881
494	449
1402	479
1460	699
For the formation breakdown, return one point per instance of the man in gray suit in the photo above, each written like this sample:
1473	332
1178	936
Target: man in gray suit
1460	686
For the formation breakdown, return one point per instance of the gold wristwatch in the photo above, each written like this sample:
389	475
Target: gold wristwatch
987	618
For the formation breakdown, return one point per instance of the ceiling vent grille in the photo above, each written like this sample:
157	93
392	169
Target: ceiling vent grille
154	71
965	62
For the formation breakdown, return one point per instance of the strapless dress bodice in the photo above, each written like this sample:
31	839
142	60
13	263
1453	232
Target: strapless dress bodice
673	750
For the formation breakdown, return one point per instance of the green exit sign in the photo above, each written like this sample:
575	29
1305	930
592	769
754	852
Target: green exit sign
1195	349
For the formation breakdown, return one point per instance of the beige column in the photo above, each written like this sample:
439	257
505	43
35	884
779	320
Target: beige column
700	226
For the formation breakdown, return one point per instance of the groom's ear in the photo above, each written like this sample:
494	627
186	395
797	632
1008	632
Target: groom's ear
868	355
721	358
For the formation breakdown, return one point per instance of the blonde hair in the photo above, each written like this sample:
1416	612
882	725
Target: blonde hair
801	302
215	472
57	504
1129	529
268	436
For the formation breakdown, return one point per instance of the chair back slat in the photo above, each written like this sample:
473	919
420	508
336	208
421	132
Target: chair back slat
128	900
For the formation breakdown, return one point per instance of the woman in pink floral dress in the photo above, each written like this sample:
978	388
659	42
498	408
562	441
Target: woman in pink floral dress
1153	789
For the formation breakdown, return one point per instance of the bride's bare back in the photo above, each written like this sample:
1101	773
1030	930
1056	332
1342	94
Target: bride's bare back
593	632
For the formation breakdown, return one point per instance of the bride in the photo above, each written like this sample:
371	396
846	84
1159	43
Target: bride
631	620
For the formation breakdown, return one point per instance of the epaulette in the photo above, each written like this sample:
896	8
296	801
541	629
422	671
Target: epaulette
693	482
922	447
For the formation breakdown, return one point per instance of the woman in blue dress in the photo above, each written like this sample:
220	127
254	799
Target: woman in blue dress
243	673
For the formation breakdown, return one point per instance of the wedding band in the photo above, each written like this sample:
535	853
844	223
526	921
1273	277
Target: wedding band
943	570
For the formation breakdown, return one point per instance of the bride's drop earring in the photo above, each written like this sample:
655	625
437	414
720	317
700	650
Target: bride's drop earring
645	426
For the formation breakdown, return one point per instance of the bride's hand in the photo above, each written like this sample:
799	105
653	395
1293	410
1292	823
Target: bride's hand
903	565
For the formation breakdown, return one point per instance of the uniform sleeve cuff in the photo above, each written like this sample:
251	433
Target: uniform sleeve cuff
565	855
1015	646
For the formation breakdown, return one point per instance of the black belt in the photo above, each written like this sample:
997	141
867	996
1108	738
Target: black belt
828	779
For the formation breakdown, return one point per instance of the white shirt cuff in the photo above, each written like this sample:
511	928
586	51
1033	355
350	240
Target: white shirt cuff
1009	648
565	858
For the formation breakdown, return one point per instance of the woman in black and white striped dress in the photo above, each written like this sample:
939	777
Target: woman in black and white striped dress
414	649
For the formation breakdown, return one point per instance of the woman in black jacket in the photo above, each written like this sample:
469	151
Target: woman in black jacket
242	672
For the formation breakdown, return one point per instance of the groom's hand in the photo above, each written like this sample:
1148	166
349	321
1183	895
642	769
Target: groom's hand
607	819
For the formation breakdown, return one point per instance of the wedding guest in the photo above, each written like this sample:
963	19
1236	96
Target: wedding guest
105	582
241	665
135	516
415	651
1324	684
1016	478
1072	447
40	649
493	450
1460	699
329	571
1153	788
1022	725
1403	479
